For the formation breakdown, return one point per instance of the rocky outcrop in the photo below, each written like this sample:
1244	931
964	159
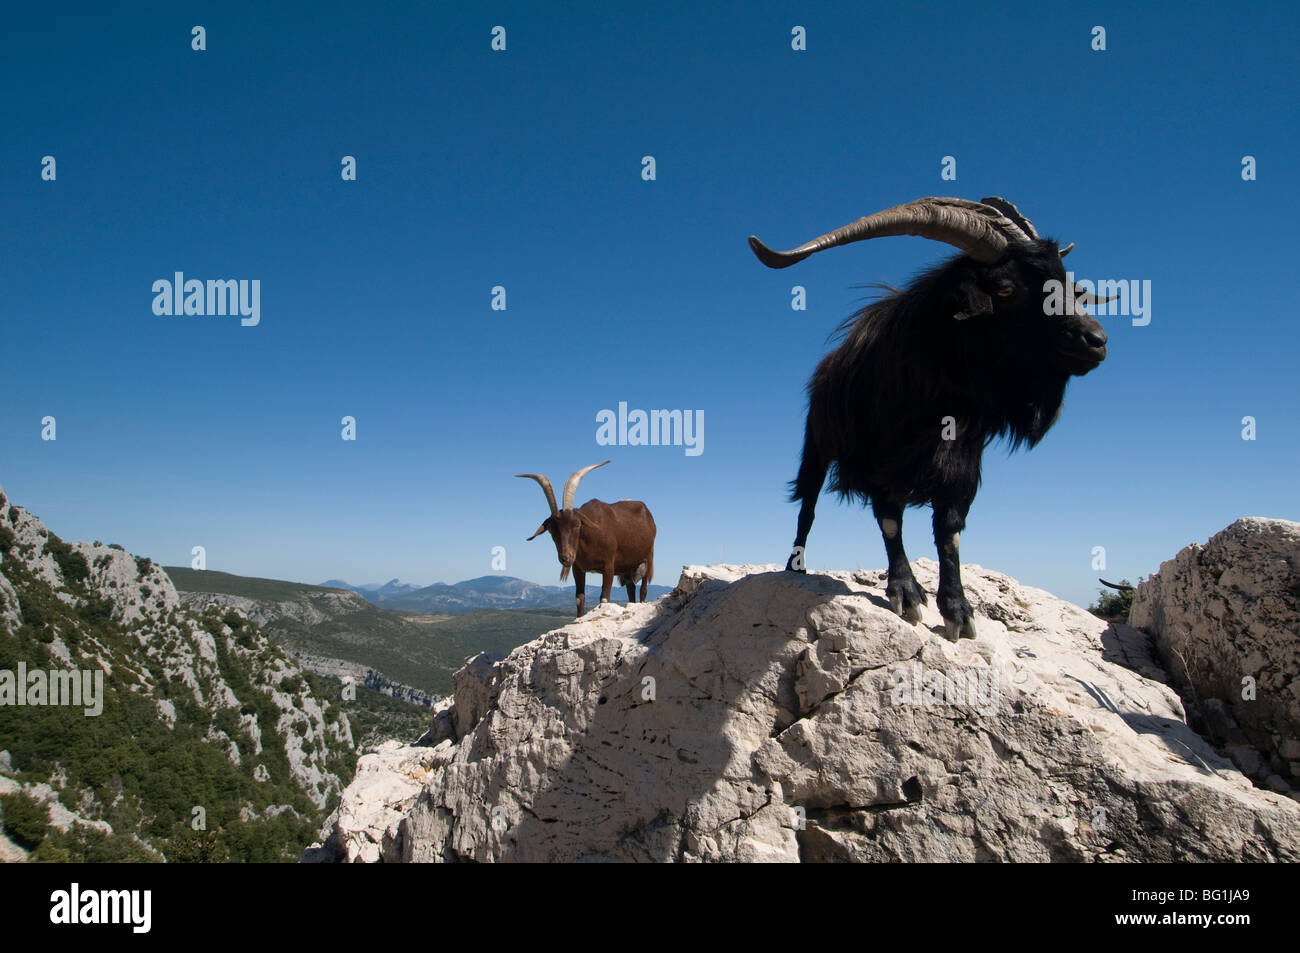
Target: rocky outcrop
1226	620
61	818
388	781
756	715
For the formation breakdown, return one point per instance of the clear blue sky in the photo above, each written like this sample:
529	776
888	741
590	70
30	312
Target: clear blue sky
523	169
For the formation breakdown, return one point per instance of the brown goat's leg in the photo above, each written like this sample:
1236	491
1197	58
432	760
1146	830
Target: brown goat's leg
606	584
580	582
949	521
905	596
631	593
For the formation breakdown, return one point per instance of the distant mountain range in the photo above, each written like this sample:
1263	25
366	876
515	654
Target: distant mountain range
374	591
485	592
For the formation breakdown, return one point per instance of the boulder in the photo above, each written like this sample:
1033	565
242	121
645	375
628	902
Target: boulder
1226	620
759	715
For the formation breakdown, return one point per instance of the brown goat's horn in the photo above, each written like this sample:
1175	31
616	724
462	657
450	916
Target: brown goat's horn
981	231
546	488
571	485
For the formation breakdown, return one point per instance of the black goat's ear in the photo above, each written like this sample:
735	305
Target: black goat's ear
972	302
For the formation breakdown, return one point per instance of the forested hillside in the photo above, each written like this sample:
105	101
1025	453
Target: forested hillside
196	737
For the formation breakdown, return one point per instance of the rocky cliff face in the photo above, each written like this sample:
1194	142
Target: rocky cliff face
186	697
320	607
756	715
1226	619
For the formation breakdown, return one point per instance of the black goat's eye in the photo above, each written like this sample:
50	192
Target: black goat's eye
1006	291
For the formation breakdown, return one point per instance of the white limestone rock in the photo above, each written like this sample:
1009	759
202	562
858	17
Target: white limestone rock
758	715
1226	612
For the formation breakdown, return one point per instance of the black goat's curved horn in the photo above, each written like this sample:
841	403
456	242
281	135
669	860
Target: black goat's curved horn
546	488
1087	297
1116	585
1067	249
571	485
981	231
1013	213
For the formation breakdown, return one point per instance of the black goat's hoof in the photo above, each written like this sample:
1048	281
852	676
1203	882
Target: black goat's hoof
791	567
910	611
958	616
953	630
906	598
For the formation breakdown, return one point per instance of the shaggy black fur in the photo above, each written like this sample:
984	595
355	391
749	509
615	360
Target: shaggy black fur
923	380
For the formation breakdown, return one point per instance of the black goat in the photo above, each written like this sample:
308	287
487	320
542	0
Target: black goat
924	379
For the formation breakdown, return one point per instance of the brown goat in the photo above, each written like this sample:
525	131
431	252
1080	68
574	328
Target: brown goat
608	538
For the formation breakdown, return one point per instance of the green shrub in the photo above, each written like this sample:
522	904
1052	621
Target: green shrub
34	615
226	720
96	610
87	845
71	563
196	847
1114	606
26	820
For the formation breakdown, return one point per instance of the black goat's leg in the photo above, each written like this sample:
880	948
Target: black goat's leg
580	582
905	596
807	487
806	513
949	521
